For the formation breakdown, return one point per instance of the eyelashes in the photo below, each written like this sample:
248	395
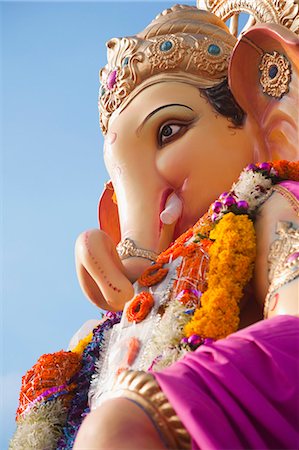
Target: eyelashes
171	131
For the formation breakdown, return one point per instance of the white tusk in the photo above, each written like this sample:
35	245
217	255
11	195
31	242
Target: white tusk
172	211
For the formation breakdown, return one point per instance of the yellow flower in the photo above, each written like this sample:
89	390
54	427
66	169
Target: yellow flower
231	266
80	347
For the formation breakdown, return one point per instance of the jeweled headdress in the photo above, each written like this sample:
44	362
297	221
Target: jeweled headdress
183	43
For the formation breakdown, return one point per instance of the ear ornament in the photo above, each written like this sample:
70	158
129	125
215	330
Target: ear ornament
275	74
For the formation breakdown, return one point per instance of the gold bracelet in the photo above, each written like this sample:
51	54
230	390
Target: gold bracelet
143	389
128	249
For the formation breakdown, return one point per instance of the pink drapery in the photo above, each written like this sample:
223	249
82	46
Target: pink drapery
241	392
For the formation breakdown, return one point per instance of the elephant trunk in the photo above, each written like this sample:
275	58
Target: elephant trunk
148	216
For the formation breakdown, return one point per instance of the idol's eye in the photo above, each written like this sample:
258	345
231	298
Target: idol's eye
170	131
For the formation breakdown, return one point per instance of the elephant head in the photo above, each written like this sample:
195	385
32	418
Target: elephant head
175	140
184	108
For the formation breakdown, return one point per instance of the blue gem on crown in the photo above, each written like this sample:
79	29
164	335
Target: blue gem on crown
273	71
214	49
166	46
125	61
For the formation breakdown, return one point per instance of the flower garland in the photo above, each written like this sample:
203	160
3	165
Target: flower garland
140	307
232	257
53	398
164	347
217	253
49	375
225	234
41	427
191	280
286	170
229	224
79	406
153	275
80	347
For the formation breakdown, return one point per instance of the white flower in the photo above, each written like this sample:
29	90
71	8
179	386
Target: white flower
41	427
167	335
253	187
169	356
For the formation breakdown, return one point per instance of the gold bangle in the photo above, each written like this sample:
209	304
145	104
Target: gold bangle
128	249
143	389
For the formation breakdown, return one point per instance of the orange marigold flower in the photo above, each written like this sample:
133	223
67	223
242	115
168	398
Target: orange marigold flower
139	307
153	275
232	257
287	170
51	370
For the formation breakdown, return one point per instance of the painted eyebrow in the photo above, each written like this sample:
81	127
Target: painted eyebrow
157	110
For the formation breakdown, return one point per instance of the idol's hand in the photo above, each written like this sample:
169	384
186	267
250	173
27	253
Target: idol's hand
100	271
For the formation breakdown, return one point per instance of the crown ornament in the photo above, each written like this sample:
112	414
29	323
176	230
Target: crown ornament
191	45
181	44
283	12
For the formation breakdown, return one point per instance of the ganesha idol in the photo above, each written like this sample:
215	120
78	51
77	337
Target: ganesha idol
197	257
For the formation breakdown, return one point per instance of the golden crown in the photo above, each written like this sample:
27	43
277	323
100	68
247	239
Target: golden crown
183	43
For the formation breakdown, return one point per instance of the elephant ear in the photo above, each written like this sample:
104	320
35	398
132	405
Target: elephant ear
108	213
263	77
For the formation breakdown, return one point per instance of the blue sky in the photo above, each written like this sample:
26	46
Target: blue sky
52	170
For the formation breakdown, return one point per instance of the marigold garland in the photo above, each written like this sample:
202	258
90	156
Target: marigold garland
140	307
191	280
79	405
50	371
175	249
153	275
202	228
231	249
231	266
286	170
218	311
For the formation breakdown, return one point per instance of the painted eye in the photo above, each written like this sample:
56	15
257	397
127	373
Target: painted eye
167	132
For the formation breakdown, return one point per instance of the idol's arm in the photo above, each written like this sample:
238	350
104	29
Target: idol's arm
277	263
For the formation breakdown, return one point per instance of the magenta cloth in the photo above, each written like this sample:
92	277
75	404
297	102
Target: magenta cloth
241	392
292	186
